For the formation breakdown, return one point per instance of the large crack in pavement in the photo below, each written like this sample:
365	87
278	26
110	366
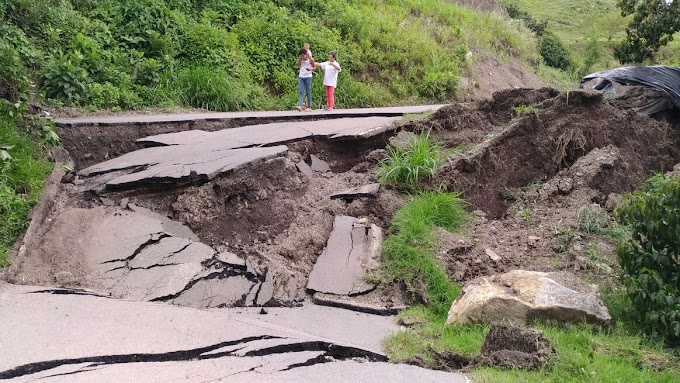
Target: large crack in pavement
330	352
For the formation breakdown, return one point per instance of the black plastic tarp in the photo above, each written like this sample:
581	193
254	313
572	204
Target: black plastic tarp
659	77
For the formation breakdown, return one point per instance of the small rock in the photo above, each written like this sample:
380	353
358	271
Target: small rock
108	201
534	238
478	213
578	247
304	169
68	178
124	203
319	165
377	155
492	254
613	200
263	311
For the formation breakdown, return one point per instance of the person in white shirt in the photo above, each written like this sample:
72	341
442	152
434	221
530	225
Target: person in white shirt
307	67
330	78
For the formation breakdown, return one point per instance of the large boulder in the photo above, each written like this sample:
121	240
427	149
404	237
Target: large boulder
524	296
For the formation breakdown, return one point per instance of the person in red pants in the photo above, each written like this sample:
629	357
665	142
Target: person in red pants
331	69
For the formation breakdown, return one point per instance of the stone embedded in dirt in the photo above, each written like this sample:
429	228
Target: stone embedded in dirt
492	254
352	250
305	169
524	296
376	155
365	191
319	165
514	347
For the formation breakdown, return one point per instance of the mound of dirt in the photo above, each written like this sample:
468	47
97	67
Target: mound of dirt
551	135
540	183
513	347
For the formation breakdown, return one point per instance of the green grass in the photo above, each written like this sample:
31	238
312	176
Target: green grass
121	54
21	179
584	354
408	253
403	168
588	26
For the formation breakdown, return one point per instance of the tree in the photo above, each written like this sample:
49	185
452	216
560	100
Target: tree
653	25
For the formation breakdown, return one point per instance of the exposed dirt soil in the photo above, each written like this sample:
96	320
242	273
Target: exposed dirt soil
513	347
541	184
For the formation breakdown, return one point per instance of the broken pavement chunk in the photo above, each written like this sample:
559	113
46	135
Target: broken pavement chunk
370	191
305	169
351	251
319	165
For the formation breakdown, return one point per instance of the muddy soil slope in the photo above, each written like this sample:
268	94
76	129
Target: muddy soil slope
540	169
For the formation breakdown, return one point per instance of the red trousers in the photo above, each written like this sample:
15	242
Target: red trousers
330	96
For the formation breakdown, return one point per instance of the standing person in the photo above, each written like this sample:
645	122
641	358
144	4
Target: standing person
330	79
307	67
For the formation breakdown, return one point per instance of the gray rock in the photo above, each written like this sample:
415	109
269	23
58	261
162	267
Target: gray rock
305	169
524	296
492	254
403	140
319	165
365	191
352	249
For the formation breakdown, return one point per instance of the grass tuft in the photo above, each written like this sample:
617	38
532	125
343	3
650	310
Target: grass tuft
403	168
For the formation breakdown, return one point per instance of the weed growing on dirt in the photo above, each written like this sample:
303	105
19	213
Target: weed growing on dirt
408	253
403	168
522	110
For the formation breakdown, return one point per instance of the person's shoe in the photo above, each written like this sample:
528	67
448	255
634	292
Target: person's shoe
298	107
308	109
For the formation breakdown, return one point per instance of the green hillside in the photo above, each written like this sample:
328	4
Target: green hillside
590	28
240	54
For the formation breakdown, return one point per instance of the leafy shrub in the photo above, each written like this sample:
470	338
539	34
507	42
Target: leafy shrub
403	168
64	79
651	258
554	53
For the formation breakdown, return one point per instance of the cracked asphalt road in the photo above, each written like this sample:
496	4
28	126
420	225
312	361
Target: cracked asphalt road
73	336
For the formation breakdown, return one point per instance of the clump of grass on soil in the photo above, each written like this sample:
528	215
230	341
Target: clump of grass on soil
403	168
408	253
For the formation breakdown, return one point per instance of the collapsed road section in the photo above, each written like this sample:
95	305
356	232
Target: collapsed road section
229	218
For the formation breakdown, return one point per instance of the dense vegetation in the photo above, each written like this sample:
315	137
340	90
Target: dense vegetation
652	26
590	30
240	54
651	258
23	140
